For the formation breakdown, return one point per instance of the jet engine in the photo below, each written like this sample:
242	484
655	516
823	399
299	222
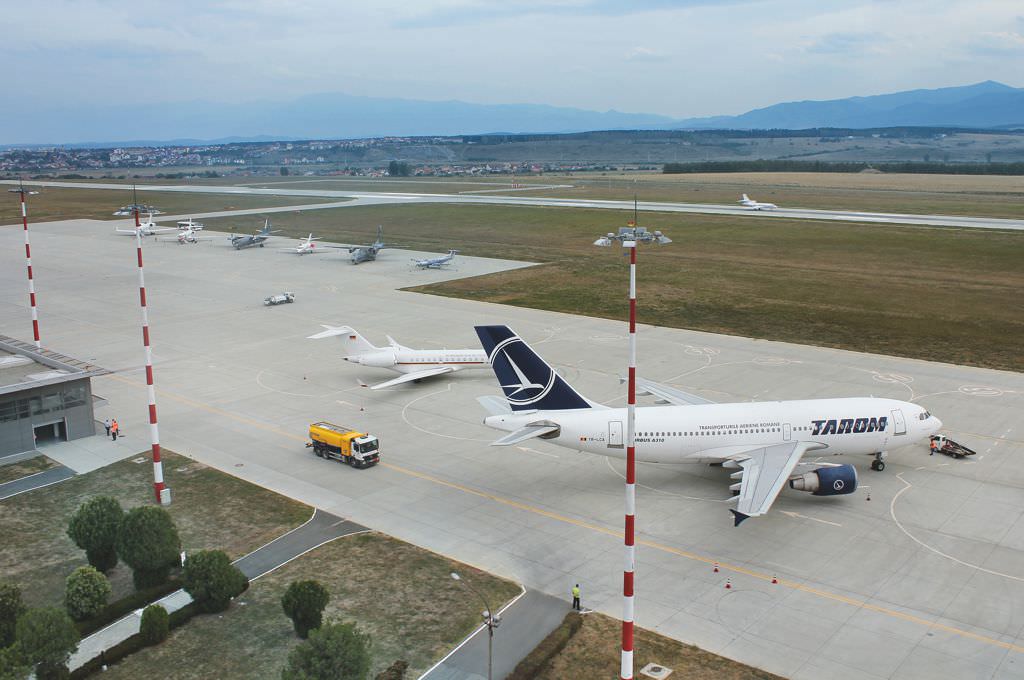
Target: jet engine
827	481
374	359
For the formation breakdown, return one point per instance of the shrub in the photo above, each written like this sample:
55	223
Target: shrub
11	607
86	593
335	651
211	580
156	624
148	543
395	671
94	528
46	639
304	603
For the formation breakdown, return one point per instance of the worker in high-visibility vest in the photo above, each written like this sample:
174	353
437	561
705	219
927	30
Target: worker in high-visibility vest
576	597
934	445
114	429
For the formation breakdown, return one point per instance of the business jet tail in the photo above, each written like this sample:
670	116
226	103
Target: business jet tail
528	382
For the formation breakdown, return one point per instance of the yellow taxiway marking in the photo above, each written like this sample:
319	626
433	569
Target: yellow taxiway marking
736	569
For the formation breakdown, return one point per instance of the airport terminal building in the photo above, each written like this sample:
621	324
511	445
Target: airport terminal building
44	397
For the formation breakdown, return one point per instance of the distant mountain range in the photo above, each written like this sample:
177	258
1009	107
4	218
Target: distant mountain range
983	105
339	116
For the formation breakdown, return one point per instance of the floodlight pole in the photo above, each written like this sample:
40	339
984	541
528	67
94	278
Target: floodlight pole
630	237
628	611
158	470
22	192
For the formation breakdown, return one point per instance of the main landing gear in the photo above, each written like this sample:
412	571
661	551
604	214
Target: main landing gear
878	464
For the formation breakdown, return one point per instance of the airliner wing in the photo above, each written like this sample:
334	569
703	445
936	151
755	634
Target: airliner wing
764	471
668	395
409	377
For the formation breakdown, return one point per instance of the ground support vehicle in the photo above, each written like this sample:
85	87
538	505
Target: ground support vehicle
944	444
344	444
279	299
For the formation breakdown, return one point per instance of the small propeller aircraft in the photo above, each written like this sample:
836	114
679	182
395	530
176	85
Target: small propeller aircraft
251	240
186	236
436	262
190	224
306	246
368	253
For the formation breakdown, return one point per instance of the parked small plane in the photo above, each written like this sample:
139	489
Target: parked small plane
365	253
147	228
748	202
186	236
763	441
256	239
413	364
436	262
190	224
306	246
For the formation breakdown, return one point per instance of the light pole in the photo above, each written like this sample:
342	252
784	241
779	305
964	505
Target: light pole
629	237
22	192
491	620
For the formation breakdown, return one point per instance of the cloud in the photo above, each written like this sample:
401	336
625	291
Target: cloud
645	54
845	43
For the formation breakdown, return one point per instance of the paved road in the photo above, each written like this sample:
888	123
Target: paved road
36	481
362	198
321	528
524	624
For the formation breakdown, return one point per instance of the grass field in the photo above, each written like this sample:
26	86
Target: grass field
24	468
403	596
99	204
932	293
594	653
211	510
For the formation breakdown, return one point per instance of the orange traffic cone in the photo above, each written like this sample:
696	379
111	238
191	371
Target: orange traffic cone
715	570
728	584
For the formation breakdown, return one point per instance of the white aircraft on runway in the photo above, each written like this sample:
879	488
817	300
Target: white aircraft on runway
187	236
436	262
306	246
764	442
413	364
147	228
748	202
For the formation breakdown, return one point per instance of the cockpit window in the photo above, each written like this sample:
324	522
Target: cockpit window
925	415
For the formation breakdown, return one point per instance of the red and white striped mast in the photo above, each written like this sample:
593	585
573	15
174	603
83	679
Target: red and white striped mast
630	237
158	470
22	192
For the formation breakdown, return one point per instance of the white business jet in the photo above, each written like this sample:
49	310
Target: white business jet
413	364
764	442
147	228
748	202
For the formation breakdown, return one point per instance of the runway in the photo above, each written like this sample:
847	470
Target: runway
362	198
918	574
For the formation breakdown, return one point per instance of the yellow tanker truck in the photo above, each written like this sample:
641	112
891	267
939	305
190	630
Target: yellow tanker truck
343	444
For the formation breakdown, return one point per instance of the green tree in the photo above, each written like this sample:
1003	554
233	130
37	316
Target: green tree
148	543
85	593
211	580
11	665
398	169
284	171
155	625
335	651
94	528
304	603
11	607
46	639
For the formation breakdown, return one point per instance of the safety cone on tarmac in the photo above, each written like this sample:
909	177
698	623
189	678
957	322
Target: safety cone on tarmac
728	584
775	579
715	570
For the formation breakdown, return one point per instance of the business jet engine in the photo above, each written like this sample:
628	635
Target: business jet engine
827	481
384	359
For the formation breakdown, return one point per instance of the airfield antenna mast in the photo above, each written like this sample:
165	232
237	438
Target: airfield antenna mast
158	470
630	237
22	192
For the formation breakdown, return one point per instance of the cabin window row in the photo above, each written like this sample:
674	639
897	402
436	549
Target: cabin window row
697	434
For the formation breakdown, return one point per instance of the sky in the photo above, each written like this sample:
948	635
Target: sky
679	58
